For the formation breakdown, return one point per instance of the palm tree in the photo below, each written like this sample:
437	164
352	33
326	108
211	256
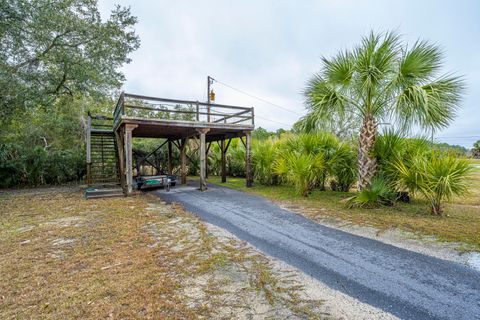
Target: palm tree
382	79
476	150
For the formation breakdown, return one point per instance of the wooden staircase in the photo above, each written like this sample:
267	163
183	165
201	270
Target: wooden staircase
103	176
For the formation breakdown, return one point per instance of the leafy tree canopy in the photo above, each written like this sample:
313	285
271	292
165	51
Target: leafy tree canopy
454	149
476	145
60	48
263	134
58	60
476	149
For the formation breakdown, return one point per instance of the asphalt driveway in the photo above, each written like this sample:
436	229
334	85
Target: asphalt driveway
407	284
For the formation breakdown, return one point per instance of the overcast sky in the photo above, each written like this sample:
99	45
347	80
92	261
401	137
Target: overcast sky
271	48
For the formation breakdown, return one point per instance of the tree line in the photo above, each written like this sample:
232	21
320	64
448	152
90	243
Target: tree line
58	60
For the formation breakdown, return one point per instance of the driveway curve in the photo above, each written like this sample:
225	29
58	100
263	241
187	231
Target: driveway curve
407	284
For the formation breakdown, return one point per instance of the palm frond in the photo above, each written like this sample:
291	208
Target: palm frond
299	169
447	176
339	70
263	155
420	63
379	193
432	106
375	60
323	95
438	177
342	167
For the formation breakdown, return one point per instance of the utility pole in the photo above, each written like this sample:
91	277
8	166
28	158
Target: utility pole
209	82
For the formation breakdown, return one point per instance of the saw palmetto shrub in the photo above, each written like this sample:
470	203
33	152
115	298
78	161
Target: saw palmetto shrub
236	159
32	166
302	170
306	161
437	176
377	194
264	154
343	167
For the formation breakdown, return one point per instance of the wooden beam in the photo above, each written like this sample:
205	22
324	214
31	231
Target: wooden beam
244	143
138	162
119	136
248	159
185	124
206	156
141	160
203	162
170	155
152	164
196	141
241	120
128	157
183	160
228	144
223	150
193	152
235	115
208	147
158	148
89	150
176	143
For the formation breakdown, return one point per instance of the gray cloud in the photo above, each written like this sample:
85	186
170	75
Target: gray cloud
271	48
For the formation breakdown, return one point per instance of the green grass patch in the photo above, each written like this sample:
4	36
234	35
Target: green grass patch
460	223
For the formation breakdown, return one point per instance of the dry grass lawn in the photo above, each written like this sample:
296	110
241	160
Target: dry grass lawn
64	257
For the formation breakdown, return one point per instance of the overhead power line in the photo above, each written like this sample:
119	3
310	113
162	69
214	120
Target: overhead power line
465	137
284	124
257	97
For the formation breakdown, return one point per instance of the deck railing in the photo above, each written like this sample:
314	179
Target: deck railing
132	105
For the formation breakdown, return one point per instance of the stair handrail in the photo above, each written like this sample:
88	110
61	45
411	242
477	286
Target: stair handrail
119	109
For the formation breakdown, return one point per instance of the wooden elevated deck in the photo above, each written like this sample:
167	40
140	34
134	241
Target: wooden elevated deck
178	121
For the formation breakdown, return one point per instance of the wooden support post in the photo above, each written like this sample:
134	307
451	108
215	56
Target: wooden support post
170	155
248	159
206	158
89	150
224	160
128	157
183	160
89	173
138	163
119	135
203	162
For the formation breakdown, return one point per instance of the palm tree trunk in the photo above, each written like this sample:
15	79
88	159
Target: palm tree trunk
436	207
367	164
